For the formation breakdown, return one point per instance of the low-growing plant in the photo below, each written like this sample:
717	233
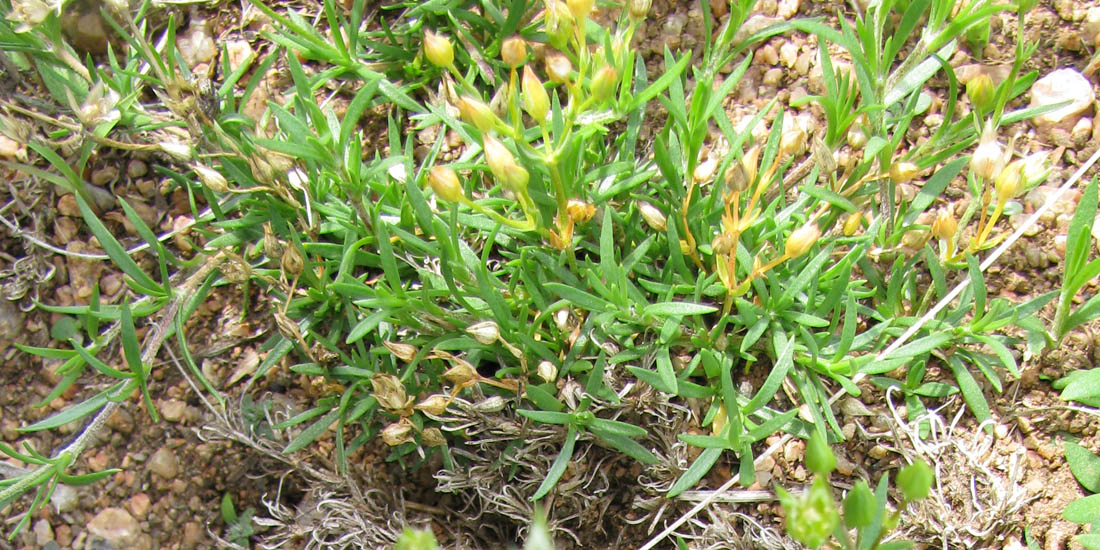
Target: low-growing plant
1086	510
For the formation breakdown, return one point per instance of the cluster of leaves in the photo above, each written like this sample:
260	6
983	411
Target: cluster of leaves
547	250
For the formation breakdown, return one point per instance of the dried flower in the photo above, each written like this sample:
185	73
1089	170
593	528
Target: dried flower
461	373
434	405
793	141
390	392
445	183
397	433
903	172
211	178
558	68
535	99
652	216
989	158
292	260
514	51
580	211
503	165
486	332
438	49
404	352
547	371
476	112
98	106
945	225
801	239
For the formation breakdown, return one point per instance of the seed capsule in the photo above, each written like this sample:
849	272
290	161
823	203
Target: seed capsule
638	9
852	223
432	437
486	332
547	371
558	68
404	352
397	433
503	165
989	158
945	226
604	83
292	261
980	91
434	405
903	172
476	112
211	178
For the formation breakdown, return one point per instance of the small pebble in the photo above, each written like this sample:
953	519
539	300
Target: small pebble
773	77
116	527
11	320
172	410
1001	431
43	532
768	54
136	168
788	54
164	463
787	8
1060	245
1060	86
878	452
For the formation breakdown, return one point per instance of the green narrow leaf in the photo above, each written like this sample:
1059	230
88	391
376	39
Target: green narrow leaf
775	378
703	463
558	467
678	308
312	432
1083	510
578	297
117	253
971	391
70	414
665	370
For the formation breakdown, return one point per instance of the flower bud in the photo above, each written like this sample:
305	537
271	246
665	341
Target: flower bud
438	49
558	23
859	506
476	112
801	239
514	51
819	457
580	211
915	480
503	165
903	172
434	405
558	68
603	83
397	433
945	226
404	352
852	223
486	332
547	371
1008	183
638	9
812	517
432	437
580	8
988	159
980	91
390	392
535	99
211	178
445	183
856	137
292	261
652	216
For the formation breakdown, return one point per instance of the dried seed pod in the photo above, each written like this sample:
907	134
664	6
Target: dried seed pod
547	371
704	170
514	51
292	261
397	433
178	151
486	332
434	405
432	437
722	244
793	141
461	373
390	392
438	49
404	352
801	239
